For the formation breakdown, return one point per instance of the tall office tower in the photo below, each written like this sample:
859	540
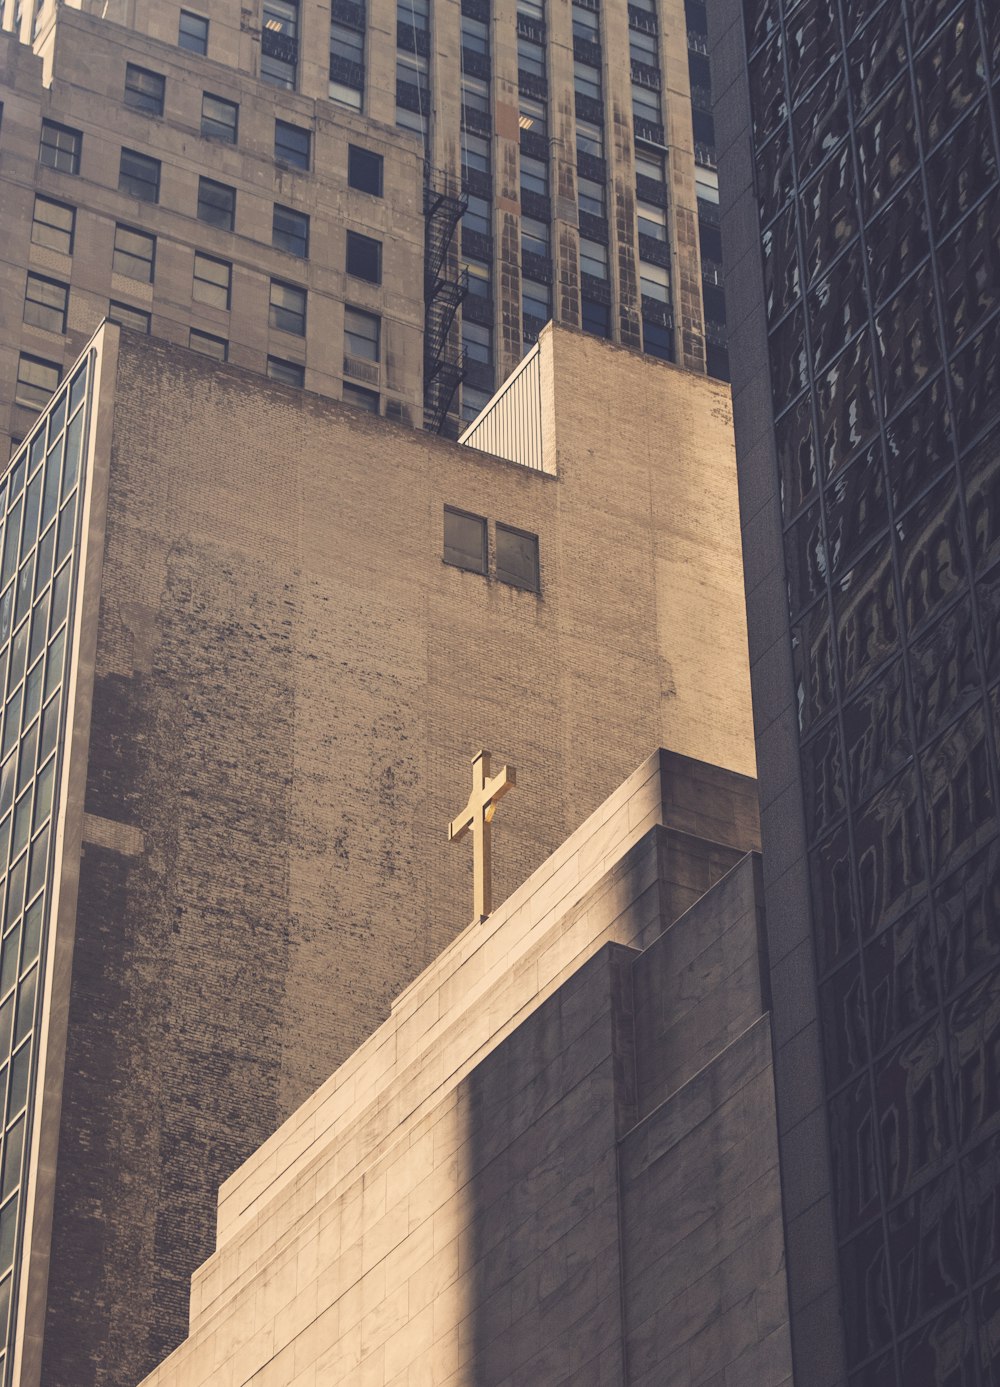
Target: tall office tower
251	639
261	181
861	215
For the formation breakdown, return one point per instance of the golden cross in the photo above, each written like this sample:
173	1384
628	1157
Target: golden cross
477	816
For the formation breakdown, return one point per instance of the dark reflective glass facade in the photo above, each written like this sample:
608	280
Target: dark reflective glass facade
875	135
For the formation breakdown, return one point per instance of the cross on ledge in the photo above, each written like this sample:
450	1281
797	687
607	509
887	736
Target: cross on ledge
477	816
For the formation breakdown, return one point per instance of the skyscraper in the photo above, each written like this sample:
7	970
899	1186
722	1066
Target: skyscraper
194	177
861	206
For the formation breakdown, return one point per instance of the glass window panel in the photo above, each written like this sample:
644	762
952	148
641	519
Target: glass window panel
134	253
517	557
207	344
361	333
32	931
10	954
932	553
288	307
53	225
36	381
144	90
6	1027
891	864
50	728
533	115
852	1140
139	176
973	1028
364	257
43	796
193	33
8	1227
212	280
12	1158
290	231
464	540
288	372
292	144
19	1070
135	318
54	662
60	147
216	204
219	118
364	170
38	858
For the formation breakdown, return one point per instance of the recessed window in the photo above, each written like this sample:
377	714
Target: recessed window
288	308
60	147
364	170
474	400
193	33
536	299
139	176
530	57
134	253
53	225
364	257
587	81
654	282
593	258
517	557
657	340
288	372
144	90
36	380
476	217
477	274
279	46
475	36
590	196
534	236
533	115
135	318
475	95
290	231
646	104
534	175
361	398
595	317
213	281
476	342
475	153
642	47
347	65
586	24
216	204
45	302
652	221
651	166
361	334
465	540
207	345
219	118
291	144
589	138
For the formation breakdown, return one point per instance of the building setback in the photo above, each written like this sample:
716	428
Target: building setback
861	205
545	162
238	720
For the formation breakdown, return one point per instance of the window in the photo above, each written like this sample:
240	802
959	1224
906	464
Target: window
290	231
216	204
219	118
279	43
536	299
465	540
517	557
361	398
476	342
364	257
139	176
135	318
364	170
475	36
593	258
134	253
476	216
654	282
475	154
347	63
291	144
532	115
213	281
534	236
589	138
414	121
45	303
347	44
361	334
586	25
475	95
530	57
144	90
193	33
591	197
478	277
595	317
53	225
646	104
414	14
643	48
411	74
706	184
36	380
288	372
657	340
534	175
204	342
652	221
650	166
60	147
474	401
587	81
288	308
534	9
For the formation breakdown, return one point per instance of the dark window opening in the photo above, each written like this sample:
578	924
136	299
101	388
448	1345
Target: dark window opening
364	170
465	540
517	557
364	257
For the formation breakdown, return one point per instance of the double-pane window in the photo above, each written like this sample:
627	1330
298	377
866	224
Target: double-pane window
193	32
475	153
642	47
478	278
589	138
291	144
649	165
587	81
476	216
216	204
139	176
213	281
586	24
347	65
534	236
208	345
288	372
364	257
361	334
288	308
219	118
591	196
53	225
536	299
530	57
36	380
135	318
475	36
476	342
532	9
646	104
532	115
593	258
364	170
415	14
517	557
595	317
144	90
360	398
652	221
279	43
290	230
45	302
134	253
654	282
474	399
60	147
475	95
465	540
534	175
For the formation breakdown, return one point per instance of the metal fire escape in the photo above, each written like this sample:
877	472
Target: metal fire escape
444	290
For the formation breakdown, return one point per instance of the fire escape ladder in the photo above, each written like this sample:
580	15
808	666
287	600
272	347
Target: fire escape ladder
444	290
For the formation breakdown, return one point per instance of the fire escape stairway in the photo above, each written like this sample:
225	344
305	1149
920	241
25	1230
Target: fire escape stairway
444	290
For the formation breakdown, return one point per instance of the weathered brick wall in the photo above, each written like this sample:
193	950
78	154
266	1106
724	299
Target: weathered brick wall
290	682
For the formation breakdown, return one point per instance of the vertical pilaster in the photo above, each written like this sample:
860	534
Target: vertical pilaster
685	255
506	191
562	127
621	177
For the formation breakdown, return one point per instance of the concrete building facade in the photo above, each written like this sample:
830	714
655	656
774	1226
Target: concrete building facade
545	164
254	637
859	160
